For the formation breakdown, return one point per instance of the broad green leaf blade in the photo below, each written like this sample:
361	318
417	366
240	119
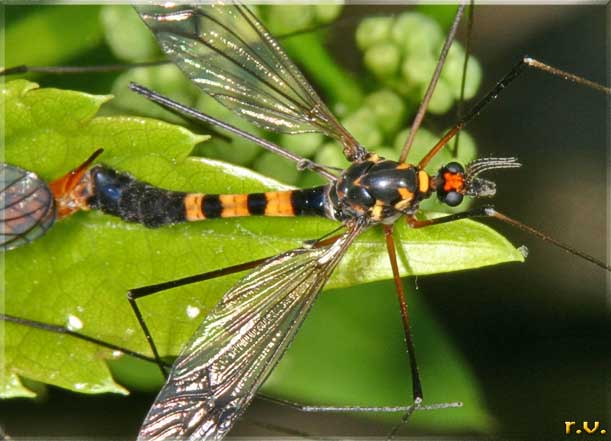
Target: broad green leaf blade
79	272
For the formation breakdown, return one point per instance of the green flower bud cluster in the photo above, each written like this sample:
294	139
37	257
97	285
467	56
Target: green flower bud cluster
402	53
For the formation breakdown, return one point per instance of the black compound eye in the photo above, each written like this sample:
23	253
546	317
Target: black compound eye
453	198
455	167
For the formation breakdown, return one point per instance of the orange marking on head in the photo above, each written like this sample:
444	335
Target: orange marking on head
234	205
193	207
279	203
403	166
453	182
424	181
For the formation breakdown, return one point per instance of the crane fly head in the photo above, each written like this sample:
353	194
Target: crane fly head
453	181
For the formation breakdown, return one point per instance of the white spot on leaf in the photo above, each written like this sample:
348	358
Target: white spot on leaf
74	323
192	311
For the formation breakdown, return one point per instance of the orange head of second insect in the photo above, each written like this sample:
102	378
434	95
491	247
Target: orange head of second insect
72	190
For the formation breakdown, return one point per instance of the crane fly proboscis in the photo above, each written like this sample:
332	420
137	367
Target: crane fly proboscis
355	227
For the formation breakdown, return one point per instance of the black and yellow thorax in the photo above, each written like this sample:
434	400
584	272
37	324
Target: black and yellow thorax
380	189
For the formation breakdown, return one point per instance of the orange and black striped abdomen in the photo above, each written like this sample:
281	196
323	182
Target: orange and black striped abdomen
308	202
121	195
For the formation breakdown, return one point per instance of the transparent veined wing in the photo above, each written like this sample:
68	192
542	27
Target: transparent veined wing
27	207
238	344
230	55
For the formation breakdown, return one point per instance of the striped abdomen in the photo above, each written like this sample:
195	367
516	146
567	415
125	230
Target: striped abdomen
121	195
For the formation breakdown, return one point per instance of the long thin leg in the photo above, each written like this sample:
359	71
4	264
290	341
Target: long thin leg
333	409
465	65
489	211
392	254
496	91
134	294
431	87
63	330
105	68
416	383
302	163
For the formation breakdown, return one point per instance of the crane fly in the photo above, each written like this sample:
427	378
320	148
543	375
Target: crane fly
228	53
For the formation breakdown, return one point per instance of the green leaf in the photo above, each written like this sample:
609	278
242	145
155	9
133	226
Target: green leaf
79	272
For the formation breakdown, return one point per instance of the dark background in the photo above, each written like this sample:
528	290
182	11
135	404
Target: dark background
537	333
